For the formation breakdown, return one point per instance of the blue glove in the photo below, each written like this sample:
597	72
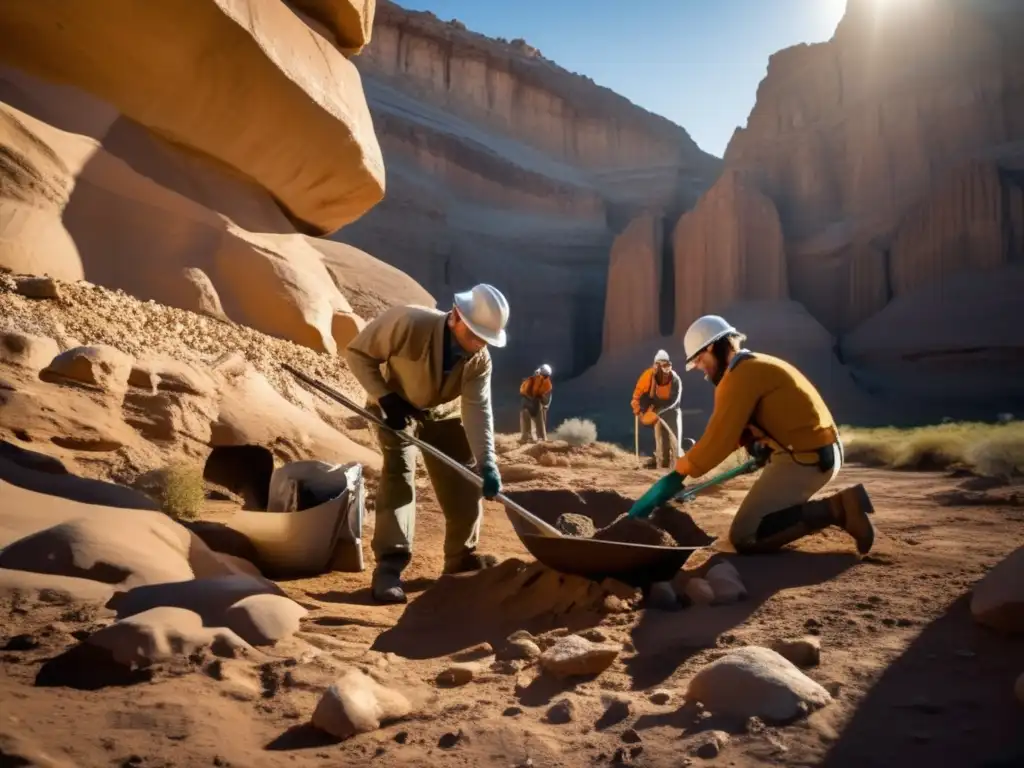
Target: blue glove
492	481
659	493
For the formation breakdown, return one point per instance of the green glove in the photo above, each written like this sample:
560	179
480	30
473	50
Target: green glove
492	481
658	494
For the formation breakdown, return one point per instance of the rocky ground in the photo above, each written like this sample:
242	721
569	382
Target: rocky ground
890	665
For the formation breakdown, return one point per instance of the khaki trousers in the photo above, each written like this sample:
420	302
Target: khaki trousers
666	439
782	483
528	421
460	501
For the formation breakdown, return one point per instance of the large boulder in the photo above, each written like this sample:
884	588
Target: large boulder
997	601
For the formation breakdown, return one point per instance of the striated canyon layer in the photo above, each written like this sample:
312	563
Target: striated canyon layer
877	191
185	154
502	167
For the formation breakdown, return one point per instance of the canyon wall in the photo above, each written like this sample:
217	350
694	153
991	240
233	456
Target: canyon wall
878	182
502	167
182	153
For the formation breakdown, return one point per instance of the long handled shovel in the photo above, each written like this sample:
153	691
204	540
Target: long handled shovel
671	487
542	527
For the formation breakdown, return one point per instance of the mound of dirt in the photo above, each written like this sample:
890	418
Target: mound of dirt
602	515
631	530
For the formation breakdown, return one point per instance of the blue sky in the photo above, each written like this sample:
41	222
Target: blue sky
697	62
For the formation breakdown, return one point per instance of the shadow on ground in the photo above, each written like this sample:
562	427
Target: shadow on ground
947	700
461	611
666	639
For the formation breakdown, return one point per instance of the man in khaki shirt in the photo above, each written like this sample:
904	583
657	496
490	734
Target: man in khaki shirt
415	363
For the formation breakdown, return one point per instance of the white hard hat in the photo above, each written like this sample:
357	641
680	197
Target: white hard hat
544	370
662	356
485	311
703	332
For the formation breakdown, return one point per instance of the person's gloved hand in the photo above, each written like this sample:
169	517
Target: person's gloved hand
658	494
398	411
760	452
492	481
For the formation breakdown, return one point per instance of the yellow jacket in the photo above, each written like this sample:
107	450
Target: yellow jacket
768	397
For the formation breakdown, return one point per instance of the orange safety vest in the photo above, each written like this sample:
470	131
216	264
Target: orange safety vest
535	386
648	385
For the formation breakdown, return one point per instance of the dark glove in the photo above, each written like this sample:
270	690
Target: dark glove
398	411
492	481
759	452
659	493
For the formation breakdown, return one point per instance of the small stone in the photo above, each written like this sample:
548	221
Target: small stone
754	725
710	744
613	604
594	635
39	288
512	711
23	642
356	703
660	697
576	656
519	650
803	651
402	737
450	739
726	583
507	667
458	674
479	651
662	597
561	712
630	736
699	592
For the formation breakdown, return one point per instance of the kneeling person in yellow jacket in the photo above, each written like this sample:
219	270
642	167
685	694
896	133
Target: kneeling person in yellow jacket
762	402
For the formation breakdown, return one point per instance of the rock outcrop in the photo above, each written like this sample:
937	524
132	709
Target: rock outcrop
503	167
877	168
633	295
190	185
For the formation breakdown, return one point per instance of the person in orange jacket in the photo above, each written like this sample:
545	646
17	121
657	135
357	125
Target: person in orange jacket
536	394
656	400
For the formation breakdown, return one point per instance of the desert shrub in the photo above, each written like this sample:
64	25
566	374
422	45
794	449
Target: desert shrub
182	492
576	432
995	450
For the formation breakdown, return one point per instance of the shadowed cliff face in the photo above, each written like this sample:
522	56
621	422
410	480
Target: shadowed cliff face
502	167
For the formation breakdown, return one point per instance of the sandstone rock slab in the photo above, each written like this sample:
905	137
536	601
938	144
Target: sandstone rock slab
756	682
998	598
574	656
163	633
356	703
27	350
264	619
101	366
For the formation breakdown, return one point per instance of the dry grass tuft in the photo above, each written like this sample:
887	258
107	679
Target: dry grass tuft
990	450
576	432
182	492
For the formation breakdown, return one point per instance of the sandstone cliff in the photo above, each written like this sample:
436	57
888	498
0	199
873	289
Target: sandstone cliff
888	153
504	167
177	153
878	174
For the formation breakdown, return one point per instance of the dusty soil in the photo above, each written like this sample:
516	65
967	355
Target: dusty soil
914	678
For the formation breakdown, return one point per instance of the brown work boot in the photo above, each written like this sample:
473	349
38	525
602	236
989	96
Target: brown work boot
850	508
468	561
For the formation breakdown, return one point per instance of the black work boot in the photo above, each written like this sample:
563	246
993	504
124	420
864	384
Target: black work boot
468	561
387	579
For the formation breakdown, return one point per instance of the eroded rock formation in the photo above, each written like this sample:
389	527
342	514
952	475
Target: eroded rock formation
633	295
181	162
506	168
878	182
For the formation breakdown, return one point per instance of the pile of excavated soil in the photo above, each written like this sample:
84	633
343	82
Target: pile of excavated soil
631	530
576	525
602	515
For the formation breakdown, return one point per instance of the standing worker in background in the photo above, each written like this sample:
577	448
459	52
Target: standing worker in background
766	405
414	362
536	394
655	403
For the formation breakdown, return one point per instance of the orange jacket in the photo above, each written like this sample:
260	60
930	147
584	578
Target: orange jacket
536	387
648	392
765	398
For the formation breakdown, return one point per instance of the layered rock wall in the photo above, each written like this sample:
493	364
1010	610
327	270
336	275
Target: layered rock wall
505	168
176	153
